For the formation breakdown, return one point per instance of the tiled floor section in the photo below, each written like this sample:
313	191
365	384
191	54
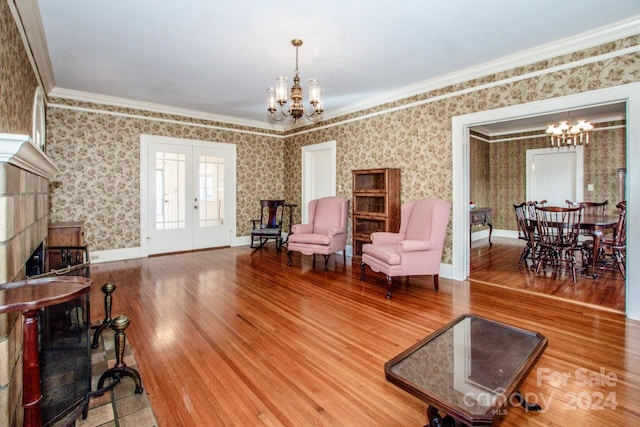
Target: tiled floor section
120	407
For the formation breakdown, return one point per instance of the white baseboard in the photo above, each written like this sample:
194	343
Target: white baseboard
98	257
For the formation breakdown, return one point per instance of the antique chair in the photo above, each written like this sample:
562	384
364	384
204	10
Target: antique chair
612	251
416	249
525	232
326	232
525	217
269	226
591	208
558	231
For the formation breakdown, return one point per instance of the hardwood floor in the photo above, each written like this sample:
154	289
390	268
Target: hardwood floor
498	264
235	337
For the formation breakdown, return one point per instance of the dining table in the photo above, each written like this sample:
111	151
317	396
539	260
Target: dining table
591	224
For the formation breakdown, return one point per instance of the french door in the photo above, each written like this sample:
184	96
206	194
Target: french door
190	194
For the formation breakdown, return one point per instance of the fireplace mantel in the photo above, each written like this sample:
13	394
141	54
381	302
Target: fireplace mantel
19	151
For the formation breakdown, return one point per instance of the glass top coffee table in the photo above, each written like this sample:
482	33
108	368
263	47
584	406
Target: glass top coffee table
469	369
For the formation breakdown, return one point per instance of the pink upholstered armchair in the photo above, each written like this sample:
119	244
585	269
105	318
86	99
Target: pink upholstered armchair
326	232
416	249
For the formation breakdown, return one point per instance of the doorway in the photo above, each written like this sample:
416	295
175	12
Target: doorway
187	194
629	94
318	173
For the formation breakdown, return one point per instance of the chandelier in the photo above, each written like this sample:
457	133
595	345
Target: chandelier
278	95
567	134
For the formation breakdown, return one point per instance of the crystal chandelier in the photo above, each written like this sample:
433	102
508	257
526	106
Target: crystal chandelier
278	95
566	134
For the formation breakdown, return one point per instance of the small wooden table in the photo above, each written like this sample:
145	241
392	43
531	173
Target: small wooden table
480	216
469	369
27	297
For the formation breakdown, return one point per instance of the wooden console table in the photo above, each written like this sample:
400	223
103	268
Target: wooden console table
480	216
27	297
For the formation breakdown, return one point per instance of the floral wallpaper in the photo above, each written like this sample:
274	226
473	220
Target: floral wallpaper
102	150
99	160
17	81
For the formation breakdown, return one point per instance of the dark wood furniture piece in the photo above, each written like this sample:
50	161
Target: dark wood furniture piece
524	232
592	225
68	233
28	297
558	229
376	205
269	226
483	362
595	225
480	216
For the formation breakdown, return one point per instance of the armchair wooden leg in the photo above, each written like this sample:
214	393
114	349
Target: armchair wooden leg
289	258
435	281
362	265
326	263
389	282
314	260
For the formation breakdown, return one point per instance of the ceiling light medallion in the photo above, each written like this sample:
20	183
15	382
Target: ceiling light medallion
278	95
566	134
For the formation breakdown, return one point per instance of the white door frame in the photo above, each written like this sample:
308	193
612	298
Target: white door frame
230	211
629	93
308	152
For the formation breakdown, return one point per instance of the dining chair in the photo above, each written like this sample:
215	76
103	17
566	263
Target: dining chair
558	230
531	207
612	252
525	232
591	208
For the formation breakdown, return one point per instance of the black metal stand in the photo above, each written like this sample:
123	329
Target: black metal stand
108	289
119	324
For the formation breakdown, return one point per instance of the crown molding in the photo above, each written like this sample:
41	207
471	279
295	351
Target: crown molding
26	14
616	31
158	108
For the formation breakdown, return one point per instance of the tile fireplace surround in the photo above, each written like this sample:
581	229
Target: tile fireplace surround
25	172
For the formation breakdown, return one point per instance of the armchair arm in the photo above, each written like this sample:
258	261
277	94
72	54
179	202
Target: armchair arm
333	231
302	228
253	224
414	246
385	238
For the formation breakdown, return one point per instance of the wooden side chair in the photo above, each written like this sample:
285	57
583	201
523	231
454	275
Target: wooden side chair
269	226
612	252
590	208
525	232
558	230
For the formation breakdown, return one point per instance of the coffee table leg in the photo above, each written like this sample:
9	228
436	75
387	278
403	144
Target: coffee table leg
435	420
526	405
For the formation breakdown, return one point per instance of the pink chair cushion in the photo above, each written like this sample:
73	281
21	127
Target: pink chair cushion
385	253
313	239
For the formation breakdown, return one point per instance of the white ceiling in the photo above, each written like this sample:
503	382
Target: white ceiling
219	57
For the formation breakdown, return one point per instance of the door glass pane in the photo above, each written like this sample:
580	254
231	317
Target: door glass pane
211	190
170	187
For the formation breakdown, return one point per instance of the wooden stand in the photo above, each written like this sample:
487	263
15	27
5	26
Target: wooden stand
376	205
